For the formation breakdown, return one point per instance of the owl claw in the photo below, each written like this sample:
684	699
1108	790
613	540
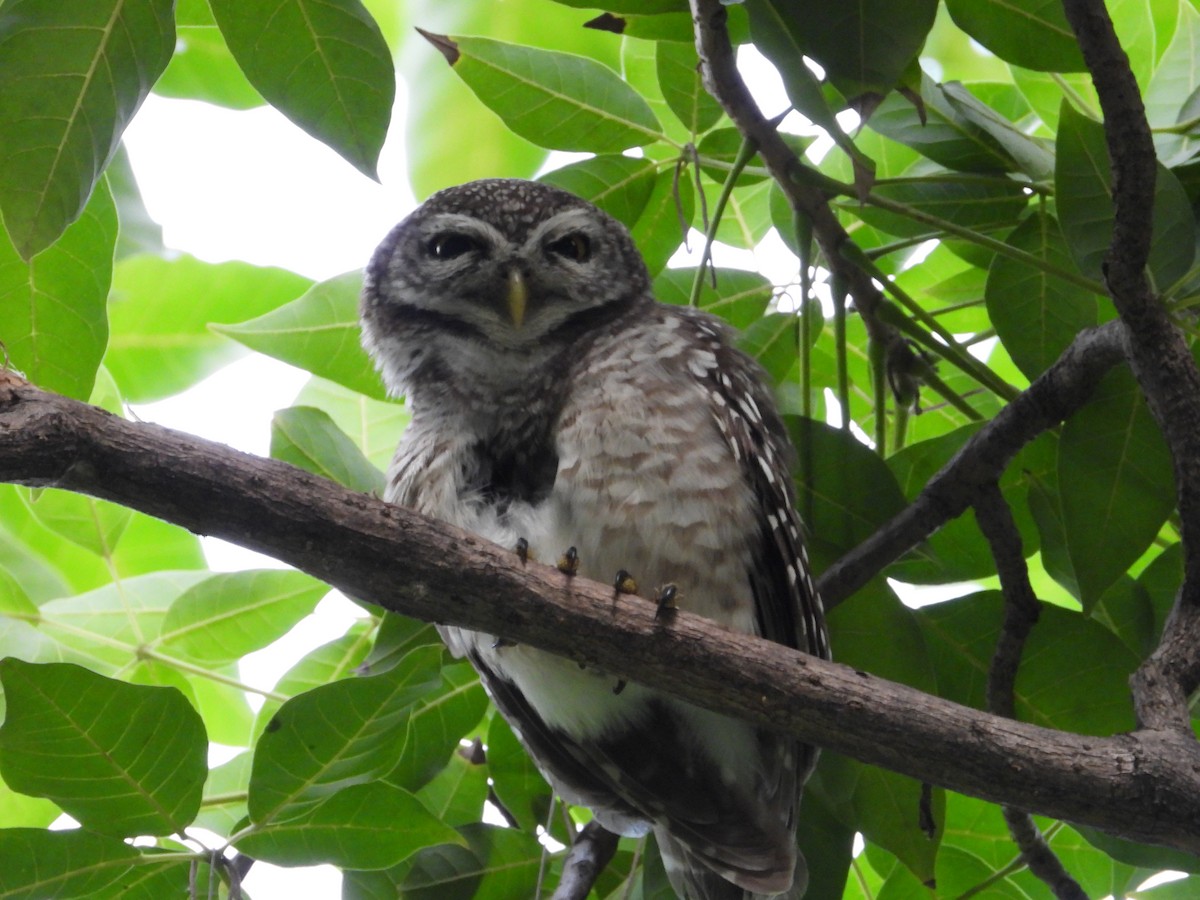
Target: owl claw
624	583
501	643
568	563
522	550
619	686
667	597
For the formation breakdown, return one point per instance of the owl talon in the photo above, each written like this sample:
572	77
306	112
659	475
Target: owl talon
667	597
624	583
568	563
619	686
501	643
522	550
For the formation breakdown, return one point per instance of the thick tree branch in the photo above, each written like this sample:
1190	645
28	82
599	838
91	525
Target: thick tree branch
1158	354
1021	610
593	849
1055	395
1143	786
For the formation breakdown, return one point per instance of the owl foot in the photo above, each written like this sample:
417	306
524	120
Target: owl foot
568	563
667	597
501	643
619	686
522	550
624	584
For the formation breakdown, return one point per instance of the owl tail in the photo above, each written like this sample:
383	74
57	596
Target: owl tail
693	878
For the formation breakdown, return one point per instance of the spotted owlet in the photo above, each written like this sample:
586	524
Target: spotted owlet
555	404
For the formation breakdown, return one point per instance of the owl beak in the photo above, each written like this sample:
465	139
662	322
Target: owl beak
518	296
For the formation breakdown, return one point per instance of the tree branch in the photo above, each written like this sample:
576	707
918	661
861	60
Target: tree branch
1021	611
1158	353
1143	786
1053	397
592	850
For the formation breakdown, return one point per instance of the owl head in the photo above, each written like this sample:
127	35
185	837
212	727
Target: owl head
499	269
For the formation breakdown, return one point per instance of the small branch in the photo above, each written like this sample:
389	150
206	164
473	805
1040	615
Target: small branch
1143	786
1158	353
1021	610
724	82
1037	855
1021	606
592	851
1054	396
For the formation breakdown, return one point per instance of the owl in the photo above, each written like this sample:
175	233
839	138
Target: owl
555	404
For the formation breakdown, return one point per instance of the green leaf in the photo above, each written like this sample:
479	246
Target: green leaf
159	314
230	614
322	63
1036	315
52	318
138	233
956	551
777	37
725	145
457	794
941	132
500	864
1173	80
1033	155
95	525
983	204
619	185
863	46
437	724
74	863
679	77
1115	484
1029	33
516	780
881	805
335	736
80	739
740	297
318	332
72	74
1089	697
663	224
374	425
363	826
773	341
1083	186
844	490
309	438
556	100
340	658
204	69
108	624
224	805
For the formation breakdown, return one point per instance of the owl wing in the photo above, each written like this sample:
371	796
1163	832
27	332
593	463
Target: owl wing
787	607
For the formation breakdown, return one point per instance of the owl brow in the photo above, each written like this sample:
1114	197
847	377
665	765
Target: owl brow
469	225
563	223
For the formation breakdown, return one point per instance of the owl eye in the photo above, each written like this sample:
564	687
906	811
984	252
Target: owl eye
452	244
574	246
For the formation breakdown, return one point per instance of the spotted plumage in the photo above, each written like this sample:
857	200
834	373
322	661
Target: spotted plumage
556	405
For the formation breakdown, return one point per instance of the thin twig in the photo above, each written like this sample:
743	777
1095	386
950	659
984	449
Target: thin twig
1021	610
